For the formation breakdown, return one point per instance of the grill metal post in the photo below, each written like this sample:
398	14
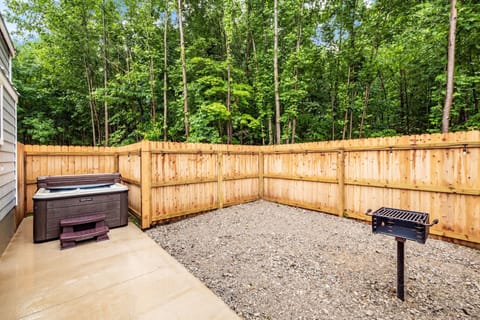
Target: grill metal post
400	268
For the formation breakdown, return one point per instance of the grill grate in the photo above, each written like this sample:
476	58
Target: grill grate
404	215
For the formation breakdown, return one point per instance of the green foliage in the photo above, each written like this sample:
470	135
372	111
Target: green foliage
154	131
347	69
206	123
40	128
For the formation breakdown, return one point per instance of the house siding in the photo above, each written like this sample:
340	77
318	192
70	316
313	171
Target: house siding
8	143
7	229
8	152
4	57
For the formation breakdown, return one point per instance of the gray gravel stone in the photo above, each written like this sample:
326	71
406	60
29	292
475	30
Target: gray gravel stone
270	261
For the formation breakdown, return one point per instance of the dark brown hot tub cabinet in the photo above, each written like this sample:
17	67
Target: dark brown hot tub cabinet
60	197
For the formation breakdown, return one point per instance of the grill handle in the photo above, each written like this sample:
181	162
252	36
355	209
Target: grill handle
369	212
435	221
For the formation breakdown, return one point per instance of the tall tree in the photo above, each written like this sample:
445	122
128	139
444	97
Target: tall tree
296	72
151	69
228	26
450	66
184	69
165	69
105	67
275	73
86	58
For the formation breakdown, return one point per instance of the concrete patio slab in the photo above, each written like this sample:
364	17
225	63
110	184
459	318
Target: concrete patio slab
126	277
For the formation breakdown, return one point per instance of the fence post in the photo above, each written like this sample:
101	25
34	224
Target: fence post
21	185
116	162
220	179
146	184
25	182
260	174
341	181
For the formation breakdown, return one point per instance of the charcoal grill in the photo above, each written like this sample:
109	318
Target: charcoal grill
403	225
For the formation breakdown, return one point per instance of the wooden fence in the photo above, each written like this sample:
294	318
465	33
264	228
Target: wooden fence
168	180
437	173
60	160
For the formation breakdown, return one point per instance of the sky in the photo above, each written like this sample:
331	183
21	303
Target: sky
10	26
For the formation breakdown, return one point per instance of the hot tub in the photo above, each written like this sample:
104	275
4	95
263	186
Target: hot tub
60	197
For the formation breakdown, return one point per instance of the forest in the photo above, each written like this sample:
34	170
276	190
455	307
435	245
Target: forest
114	72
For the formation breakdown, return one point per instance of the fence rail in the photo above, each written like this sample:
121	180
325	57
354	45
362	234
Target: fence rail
436	173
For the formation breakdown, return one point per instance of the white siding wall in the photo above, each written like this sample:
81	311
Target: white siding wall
8	127
8	153
4	57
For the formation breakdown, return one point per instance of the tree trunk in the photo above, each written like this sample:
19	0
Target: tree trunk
334	102
450	66
475	99
365	107
295	72
289	127
255	60
350	124
404	107
334	99
91	101
474	90
184	69
151	71
407	101
153	103
275	73
345	118
345	122
229	122
105	71
270	130
227	23
336	82
248	41
89	77
165	73
385	97
351	106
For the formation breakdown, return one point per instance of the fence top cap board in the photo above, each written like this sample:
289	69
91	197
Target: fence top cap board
435	140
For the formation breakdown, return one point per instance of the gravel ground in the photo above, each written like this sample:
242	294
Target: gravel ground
270	261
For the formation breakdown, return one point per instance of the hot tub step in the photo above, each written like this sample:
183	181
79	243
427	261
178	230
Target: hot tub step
84	234
83	228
